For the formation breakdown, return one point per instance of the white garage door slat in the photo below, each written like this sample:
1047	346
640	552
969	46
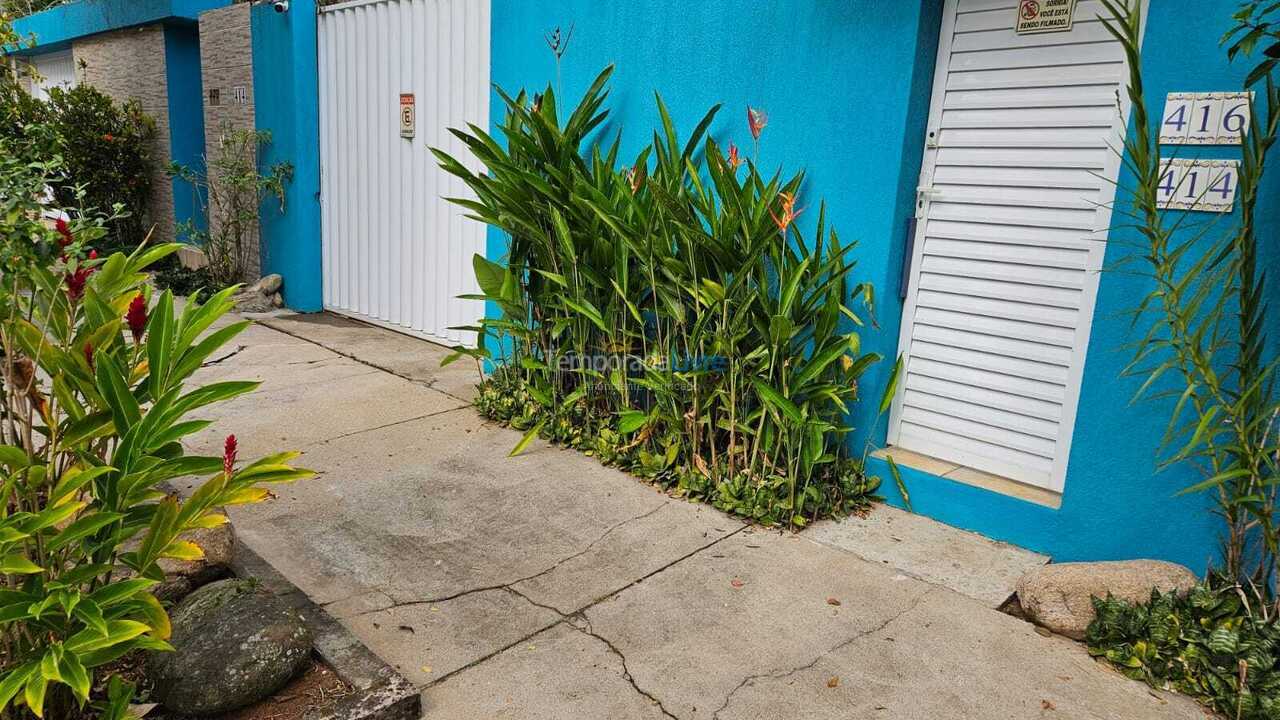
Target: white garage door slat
1009	241
394	251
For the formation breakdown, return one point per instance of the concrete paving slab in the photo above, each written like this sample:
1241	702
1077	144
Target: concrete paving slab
409	357
950	657
558	674
432	508
426	641
337	399
968	563
657	608
754	602
632	549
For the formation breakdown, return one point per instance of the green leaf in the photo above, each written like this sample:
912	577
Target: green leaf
489	275
631	420
897	480
13	681
18	564
528	438
778	402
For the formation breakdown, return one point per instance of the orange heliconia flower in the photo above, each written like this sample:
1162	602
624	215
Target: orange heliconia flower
635	178
734	158
789	211
756	120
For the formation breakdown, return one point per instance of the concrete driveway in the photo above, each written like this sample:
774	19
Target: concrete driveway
547	586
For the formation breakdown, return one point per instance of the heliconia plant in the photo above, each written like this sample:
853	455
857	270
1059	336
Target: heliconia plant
98	393
742	334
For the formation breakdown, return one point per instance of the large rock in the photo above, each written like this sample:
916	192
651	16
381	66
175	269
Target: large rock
262	296
1059	596
183	576
234	644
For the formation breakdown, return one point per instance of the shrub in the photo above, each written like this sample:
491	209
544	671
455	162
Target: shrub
106	150
97	396
669	317
232	190
1207	644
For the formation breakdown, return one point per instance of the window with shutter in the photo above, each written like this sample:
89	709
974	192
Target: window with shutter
1013	210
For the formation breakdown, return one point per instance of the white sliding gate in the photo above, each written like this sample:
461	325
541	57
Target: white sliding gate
395	252
1013	213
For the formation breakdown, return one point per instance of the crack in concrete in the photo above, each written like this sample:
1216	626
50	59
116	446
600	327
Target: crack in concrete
626	672
781	674
384	426
565	617
429	384
509	585
239	349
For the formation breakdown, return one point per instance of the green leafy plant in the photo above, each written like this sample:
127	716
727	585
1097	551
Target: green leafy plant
1204	351
98	392
1207	644
105	147
1206	323
668	317
231	190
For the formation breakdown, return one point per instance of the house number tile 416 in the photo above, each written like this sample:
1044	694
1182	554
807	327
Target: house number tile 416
1219	118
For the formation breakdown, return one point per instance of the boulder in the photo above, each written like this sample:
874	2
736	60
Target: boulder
261	296
234	644
1059	596
269	284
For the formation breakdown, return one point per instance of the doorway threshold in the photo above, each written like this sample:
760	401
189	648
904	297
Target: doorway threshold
970	476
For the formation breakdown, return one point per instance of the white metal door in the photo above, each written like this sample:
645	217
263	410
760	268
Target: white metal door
55	69
1013	210
395	252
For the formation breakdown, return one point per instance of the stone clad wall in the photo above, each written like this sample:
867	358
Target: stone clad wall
226	69
128	64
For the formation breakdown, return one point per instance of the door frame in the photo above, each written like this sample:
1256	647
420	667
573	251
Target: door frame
1089	291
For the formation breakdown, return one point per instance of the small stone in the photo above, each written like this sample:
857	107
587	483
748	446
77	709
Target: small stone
1059	596
269	284
234	644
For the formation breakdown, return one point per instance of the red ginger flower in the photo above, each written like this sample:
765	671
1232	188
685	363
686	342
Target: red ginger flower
76	282
756	120
64	230
229	455
136	317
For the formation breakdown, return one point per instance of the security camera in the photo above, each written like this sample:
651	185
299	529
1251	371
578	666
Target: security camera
280	6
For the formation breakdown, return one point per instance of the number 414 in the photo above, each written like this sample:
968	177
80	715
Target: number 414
1208	185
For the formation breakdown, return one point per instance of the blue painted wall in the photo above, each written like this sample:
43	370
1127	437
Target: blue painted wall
57	26
846	85
186	115
1116	505
287	105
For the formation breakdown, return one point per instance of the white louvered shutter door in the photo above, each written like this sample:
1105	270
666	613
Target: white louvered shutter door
56	69
1012	221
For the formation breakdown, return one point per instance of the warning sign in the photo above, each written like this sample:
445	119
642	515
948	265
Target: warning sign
408	121
1040	16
